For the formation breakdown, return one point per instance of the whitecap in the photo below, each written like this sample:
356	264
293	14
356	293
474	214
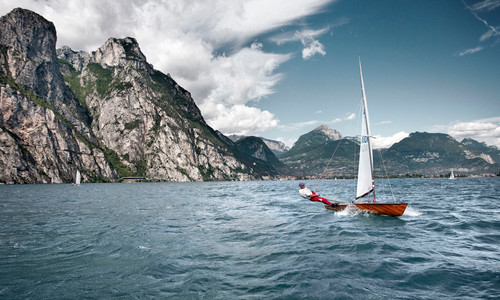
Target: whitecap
412	212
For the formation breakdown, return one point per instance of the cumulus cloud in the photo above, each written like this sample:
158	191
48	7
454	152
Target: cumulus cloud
380	142
242	120
308	38
484	130
204	45
312	48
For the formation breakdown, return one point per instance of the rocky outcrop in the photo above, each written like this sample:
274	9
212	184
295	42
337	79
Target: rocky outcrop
329	133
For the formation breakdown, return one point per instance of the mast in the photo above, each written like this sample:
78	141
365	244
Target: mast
365	170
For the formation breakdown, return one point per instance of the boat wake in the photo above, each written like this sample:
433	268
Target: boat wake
410	211
349	211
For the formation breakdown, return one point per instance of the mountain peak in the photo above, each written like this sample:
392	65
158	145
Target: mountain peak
116	52
329	132
27	18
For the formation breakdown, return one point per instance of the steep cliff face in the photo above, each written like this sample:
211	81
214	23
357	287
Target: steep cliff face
146	118
107	113
40	119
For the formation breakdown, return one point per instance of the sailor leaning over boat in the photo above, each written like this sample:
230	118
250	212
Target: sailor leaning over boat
311	195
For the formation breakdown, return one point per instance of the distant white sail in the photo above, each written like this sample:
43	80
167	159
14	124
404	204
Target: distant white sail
452	176
365	170
78	177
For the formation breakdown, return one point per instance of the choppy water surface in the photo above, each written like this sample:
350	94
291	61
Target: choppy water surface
250	240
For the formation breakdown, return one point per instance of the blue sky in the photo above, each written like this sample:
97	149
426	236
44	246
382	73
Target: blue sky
280	68
418	76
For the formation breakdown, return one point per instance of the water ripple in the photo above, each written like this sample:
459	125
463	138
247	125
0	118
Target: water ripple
251	240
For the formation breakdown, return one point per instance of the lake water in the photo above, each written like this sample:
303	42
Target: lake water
248	240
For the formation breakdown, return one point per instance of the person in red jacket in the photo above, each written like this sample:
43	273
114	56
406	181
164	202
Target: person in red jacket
311	195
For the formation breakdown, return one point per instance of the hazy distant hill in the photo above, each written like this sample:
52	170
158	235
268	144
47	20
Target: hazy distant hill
256	148
438	153
277	147
420	153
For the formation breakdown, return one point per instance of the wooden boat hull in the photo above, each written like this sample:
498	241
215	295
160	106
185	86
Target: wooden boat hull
386	209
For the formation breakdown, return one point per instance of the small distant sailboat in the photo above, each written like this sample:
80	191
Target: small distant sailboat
365	184
78	178
452	175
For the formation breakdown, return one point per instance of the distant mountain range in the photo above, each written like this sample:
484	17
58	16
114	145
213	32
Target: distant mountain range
276	147
432	154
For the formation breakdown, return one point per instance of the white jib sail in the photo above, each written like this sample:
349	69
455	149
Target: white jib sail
365	170
78	177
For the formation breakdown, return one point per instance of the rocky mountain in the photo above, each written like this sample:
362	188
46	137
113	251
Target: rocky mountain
257	148
438	153
44	131
477	149
108	113
311	155
311	141
277	147
317	153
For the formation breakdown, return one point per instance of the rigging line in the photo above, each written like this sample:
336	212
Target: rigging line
386	175
328	164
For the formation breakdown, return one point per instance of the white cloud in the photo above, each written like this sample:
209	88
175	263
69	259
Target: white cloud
348	117
312	48
185	38
471	51
299	35
380	142
300	125
486	5
308	38
242	120
351	116
493	32
485	130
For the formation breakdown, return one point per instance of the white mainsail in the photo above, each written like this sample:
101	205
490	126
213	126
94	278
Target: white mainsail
365	170
78	177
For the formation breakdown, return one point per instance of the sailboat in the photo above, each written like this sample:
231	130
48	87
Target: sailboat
78	178
452	176
365	184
